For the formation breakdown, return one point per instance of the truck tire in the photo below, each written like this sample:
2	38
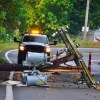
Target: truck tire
20	61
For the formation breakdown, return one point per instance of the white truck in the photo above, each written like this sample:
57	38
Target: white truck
33	48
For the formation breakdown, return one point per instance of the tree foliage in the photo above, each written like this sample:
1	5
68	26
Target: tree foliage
46	14
94	15
14	14
50	14
77	16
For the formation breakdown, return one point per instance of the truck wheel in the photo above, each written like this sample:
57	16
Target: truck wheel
48	57
21	58
20	61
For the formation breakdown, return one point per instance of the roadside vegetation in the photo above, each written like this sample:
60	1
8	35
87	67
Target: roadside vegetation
82	44
19	16
6	46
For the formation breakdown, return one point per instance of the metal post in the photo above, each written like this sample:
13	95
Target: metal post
89	63
86	19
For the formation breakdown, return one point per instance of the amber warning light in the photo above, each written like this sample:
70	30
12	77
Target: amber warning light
35	31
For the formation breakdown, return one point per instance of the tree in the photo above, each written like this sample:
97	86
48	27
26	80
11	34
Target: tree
2	28
77	16
50	14
94	15
47	15
17	15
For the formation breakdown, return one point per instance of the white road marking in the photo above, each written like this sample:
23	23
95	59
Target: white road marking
6	55
9	91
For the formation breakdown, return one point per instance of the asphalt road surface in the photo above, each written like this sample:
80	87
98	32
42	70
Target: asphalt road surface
35	93
55	94
2	92
11	92
11	57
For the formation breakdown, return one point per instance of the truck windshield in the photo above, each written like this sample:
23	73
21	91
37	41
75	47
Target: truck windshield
39	39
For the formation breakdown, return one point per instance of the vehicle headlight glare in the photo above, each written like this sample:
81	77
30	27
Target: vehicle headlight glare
22	48
47	49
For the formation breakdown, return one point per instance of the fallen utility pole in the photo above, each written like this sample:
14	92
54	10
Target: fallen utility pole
14	67
77	56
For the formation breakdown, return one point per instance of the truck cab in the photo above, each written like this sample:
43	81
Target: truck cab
33	48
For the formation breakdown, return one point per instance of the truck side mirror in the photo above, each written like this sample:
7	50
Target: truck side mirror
55	42
15	40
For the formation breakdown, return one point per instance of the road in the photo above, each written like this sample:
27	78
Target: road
2	92
9	92
54	94
11	56
30	93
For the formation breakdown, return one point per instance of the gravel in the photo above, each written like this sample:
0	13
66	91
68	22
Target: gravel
57	79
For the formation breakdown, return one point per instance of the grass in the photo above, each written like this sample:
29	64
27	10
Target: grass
2	60
6	46
89	45
58	46
81	45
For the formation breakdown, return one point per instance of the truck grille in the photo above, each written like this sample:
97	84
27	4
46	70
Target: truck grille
35	48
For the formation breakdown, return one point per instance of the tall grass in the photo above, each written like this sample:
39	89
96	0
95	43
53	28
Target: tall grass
7	46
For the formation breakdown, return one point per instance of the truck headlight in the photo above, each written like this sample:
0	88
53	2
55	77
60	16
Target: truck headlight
22	48
47	49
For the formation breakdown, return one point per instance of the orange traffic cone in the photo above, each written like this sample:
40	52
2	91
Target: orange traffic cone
89	63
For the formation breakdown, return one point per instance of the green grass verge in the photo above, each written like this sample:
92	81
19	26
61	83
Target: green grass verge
58	46
89	45
2	60
6	46
82	45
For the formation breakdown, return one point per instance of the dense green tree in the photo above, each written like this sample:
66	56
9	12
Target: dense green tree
17	15
47	15
94	14
2	28
50	14
77	16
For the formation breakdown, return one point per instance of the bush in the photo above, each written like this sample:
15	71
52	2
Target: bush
2	60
